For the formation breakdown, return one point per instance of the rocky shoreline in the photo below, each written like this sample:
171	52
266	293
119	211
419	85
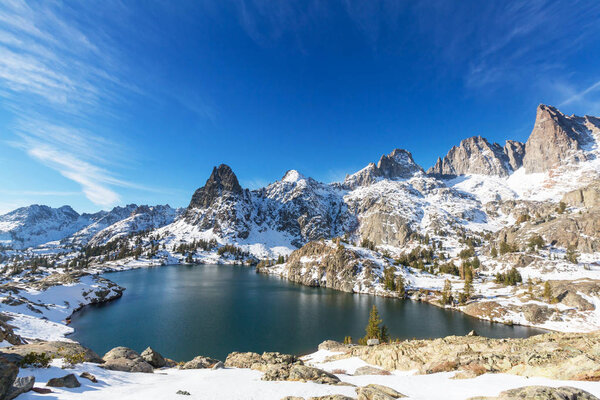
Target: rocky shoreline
555	356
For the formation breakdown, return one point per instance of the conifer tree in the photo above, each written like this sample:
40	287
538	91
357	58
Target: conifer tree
375	329
447	293
547	291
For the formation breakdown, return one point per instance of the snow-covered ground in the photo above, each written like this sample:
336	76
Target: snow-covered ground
245	384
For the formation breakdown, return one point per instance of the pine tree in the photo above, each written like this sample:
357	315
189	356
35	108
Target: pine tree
375	329
447	293
400	287
468	288
494	252
547	291
389	282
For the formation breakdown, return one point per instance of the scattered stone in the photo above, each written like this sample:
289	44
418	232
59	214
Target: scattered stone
41	390
219	365
387	390
68	381
153	358
292	398
296	372
8	374
332	397
183	392
332	345
125	359
200	362
89	376
472	333
20	386
52	349
368	370
372	342
542	393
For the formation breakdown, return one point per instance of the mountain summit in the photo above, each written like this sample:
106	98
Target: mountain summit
475	155
399	164
222	181
557	138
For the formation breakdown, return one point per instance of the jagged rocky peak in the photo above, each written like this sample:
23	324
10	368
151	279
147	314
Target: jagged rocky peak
557	138
222	182
399	164
475	155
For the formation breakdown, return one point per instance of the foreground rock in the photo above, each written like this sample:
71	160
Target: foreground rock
125	359
200	362
52	349
542	393
564	356
377	392
20	386
68	381
260	362
153	358
301	373
8	374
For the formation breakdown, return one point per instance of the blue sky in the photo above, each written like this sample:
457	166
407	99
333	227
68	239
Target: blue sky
108	103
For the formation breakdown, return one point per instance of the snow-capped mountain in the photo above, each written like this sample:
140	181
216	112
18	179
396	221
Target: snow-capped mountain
386	202
38	224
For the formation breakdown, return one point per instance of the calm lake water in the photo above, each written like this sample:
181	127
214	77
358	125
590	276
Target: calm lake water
185	311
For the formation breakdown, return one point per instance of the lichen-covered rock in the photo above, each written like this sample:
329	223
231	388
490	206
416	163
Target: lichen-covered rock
53	349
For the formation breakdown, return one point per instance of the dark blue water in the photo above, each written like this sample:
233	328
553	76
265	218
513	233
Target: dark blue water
185	311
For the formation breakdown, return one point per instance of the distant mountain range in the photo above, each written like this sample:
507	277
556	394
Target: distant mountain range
385	202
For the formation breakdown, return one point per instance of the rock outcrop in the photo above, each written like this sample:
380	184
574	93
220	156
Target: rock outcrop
564	356
556	139
332	266
542	393
476	155
301	373
399	164
222	182
260	362
52	349
588	196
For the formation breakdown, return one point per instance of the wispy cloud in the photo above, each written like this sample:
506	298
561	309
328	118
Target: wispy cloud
55	76
589	97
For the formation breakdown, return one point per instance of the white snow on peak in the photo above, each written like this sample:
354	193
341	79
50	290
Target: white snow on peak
293	176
